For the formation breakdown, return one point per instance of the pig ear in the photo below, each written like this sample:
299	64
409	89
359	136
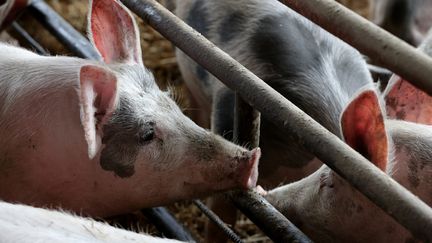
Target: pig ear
363	128
406	102
113	32
98	92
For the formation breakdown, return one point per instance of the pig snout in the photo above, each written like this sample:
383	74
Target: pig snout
224	166
248	168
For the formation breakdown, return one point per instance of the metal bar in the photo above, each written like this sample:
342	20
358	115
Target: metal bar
62	30
167	224
32	42
219	222
246	123
267	218
378	44
256	208
79	45
394	199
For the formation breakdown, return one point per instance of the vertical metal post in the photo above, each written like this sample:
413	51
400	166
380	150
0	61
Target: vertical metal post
256	208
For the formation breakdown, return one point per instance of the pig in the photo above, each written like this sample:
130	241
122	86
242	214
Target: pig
100	137
328	209
22	223
312	68
407	19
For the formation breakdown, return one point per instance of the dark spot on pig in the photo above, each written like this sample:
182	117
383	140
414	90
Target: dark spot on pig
123	138
359	209
232	25
273	41
197	18
289	65
95	184
223	112
119	159
401	115
392	102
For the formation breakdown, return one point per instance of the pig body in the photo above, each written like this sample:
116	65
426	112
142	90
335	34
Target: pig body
100	137
309	66
407	19
20	223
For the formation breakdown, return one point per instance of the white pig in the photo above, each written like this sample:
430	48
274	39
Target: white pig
26	224
102	138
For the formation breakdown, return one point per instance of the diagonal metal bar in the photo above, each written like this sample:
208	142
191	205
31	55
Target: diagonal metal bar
394	199
221	224
378	44
267	218
32	42
62	30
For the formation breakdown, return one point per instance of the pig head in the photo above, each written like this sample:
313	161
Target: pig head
102	138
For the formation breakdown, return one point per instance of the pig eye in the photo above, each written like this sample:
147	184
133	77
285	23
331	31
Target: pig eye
146	137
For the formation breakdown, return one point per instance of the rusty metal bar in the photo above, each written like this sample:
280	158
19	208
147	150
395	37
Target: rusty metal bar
62	30
381	46
267	218
27	37
394	199
218	221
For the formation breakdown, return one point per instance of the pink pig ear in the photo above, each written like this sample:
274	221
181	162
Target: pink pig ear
406	102
98	92
363	128
113	32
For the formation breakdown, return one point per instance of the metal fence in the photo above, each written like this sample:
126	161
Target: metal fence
380	46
